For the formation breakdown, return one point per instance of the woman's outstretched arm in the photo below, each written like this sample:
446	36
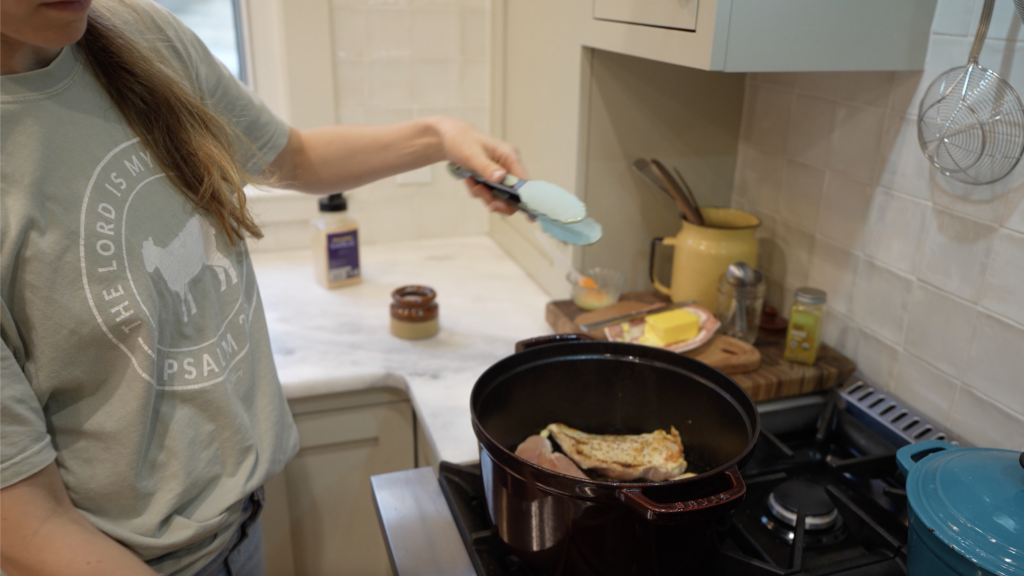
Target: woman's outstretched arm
338	158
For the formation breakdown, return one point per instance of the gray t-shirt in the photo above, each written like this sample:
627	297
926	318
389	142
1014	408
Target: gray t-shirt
135	350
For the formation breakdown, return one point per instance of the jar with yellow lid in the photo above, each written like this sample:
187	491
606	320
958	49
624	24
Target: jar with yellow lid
805	319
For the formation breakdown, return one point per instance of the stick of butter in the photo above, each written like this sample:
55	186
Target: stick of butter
673	326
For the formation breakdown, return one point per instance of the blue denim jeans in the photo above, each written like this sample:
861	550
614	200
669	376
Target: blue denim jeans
243	556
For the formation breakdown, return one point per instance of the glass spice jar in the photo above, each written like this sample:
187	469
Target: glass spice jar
805	320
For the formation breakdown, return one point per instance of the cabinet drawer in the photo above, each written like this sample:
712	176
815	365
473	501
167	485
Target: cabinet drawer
680	14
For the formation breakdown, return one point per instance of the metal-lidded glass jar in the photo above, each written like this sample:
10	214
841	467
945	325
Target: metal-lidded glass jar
740	299
805	320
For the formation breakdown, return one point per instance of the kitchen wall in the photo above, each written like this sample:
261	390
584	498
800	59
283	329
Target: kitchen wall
925	276
395	60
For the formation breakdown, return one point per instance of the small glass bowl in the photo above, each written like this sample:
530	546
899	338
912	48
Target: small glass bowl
606	291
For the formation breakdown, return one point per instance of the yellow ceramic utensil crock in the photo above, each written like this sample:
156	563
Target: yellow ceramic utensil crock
702	253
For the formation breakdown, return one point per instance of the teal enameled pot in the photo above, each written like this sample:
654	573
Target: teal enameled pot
966	509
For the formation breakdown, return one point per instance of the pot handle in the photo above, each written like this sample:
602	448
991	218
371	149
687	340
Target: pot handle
680	512
550	339
908	456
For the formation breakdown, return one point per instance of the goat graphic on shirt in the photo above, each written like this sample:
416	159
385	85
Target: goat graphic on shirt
185	257
148	263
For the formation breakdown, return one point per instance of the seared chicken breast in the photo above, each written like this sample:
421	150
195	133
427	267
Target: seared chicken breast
656	456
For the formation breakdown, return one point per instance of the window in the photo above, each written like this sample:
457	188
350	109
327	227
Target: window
218	24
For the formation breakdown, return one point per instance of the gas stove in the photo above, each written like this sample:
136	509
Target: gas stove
823	493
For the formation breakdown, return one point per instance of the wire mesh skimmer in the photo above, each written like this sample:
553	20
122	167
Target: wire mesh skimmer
971	121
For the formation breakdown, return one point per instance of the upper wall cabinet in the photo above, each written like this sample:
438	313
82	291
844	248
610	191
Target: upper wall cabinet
766	35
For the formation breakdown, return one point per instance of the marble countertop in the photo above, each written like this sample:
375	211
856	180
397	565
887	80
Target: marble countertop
339	340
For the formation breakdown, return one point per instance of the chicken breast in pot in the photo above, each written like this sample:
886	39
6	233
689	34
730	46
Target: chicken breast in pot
656	456
538	450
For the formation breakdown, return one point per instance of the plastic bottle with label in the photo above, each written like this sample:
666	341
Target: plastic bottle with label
335	244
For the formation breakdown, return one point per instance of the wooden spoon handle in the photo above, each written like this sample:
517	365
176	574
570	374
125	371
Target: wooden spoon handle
689	194
673	188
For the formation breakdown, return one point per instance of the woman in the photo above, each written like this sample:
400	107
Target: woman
140	409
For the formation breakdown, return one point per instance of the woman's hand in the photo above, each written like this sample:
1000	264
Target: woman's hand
491	158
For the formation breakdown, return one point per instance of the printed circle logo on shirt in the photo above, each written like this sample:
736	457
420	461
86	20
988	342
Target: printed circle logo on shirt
164	283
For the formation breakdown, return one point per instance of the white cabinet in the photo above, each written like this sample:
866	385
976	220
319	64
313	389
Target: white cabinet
320	519
678	14
765	35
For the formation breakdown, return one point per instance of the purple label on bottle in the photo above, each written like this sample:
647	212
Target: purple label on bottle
342	255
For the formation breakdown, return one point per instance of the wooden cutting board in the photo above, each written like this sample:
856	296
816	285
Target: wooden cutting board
727	354
774	378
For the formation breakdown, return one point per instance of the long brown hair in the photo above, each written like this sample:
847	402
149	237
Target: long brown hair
190	141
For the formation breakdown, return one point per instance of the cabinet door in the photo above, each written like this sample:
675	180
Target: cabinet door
681	14
335	531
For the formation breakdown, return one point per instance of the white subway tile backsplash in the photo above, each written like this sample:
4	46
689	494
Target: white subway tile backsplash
1005	23
903	167
1004	58
944	52
904	85
841	333
770	120
996	361
474	32
983	422
435	83
795	247
880	299
390	84
876	359
986	203
854	149
844	211
810	130
349	31
473	216
956	253
474	83
894	230
928	390
802	188
352	83
925	275
954	17
780	79
865	88
833	269
1013	215
1003	290
351	116
436	33
939	329
396	60
376	117
759	181
387	31
478	116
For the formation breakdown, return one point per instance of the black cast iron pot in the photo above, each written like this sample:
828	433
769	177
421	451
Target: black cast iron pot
563	525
